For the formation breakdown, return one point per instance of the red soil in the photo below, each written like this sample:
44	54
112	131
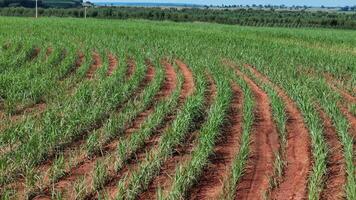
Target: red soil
131	67
210	185
352	121
6	120
255	181
151	144
336	174
169	85
80	59
188	85
49	51
96	63
84	169
68	149
37	107
34	53
181	154
113	63
170	82
298	153
348	97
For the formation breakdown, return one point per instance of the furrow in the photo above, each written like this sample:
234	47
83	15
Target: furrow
113	64
181	153
73	150
167	89
210	185
255	182
66	185
298	154
96	63
336	173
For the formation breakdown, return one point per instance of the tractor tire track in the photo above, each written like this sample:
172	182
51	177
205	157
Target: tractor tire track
298	152
255	182
113	64
210	185
96	63
336	166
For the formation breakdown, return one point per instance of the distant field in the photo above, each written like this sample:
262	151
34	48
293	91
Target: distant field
134	109
168	12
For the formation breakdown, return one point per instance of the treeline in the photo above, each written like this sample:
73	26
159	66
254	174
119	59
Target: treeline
248	17
41	3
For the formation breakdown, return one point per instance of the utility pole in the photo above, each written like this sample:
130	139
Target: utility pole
36	9
85	12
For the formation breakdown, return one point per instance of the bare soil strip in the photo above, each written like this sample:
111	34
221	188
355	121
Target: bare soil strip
113	64
36	107
168	87
33	54
33	109
298	152
80	59
188	85
348	97
352	120
49	51
96	63
181	153
336	167
187	89
86	166
131	67
255	182
77	64
210	185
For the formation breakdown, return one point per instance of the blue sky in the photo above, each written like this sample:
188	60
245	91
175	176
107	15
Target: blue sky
274	2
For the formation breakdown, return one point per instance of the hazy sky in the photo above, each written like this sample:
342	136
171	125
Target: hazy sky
274	2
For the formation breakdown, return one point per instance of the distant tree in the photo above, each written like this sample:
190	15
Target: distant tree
243	16
346	8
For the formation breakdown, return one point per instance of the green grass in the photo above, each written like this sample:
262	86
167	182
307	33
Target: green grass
78	108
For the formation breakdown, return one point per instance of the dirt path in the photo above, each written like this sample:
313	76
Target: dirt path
96	63
181	153
113	64
255	182
210	185
336	166
298	153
